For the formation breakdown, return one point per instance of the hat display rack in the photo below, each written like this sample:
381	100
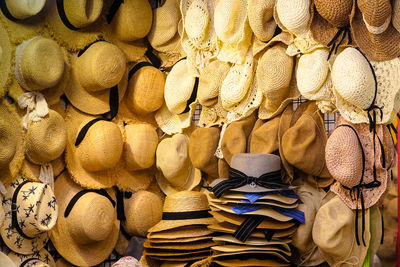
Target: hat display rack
199	133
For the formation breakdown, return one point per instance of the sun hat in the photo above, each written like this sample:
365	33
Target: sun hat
202	145
276	79
261	20
176	172
378	81
28	223
294	16
41	258
256	203
12	143
233	30
6	261
87	226
373	31
5	65
333	233
107	67
74	20
184	208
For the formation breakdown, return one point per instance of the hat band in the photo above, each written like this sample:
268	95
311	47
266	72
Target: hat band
78	195
186	215
25	262
138	67
113	10
377	29
63	16
120	203
6	12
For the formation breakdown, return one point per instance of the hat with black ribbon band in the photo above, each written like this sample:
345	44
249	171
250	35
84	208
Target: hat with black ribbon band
120	203
247	227
186	215
152	57
6	12
72	202
14	219
63	16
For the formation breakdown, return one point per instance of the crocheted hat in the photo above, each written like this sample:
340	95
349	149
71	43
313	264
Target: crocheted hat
261	20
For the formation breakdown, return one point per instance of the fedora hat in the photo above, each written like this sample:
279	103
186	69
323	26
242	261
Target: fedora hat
373	31
74	24
12	142
176	172
379	83
5	65
41	258
87	226
107	67
272	197
26	229
261	20
184	208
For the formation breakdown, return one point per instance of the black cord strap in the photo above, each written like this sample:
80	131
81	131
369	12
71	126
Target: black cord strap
14	219
247	227
193	96
186	215
6	12
83	50
63	16
152	57
343	31
113	10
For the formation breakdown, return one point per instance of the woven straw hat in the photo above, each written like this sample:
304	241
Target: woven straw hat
261	20
5	62
183	233
345	164
106	65
6	261
41	258
33	221
203	143
293	15
181	202
333	233
176	172
86	230
396	15
74	20
20	10
145	93
33	171
276	79
11	142
354	86
378	39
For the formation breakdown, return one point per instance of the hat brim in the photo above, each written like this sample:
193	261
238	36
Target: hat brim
130	117
268	203
31	171
171	123
186	258
42	255
76	253
5	64
250	262
180	240
192	181
171	224
181	232
237	251
172	252
232	196
251	241
247	188
200	244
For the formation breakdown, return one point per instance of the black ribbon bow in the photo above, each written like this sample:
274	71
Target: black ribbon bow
271	180
343	31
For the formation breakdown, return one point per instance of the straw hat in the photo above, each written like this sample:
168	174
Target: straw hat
87	229
182	233
145	93
107	67
373	31
33	221
74	20
333	233
261	20
276	80
19	10
11	140
32	171
5	62
41	258
354	86
202	145
181	204
396	15
233	30
349	158
176	172
293	15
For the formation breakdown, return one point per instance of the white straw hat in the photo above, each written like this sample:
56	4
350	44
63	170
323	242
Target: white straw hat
294	15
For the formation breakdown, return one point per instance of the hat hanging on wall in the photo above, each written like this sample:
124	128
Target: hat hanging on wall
261	20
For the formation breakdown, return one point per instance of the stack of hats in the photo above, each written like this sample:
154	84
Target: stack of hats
256	212
182	236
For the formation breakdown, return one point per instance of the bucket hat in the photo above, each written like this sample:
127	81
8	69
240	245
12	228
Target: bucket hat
373	31
91	93
261	20
74	20
26	229
87	226
5	65
176	172
41	258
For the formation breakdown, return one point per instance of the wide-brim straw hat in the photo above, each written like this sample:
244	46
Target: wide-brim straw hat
272	253
171	123
94	244
193	180
84	16
107	177
199	244
12	142
39	258
6	56
378	47
242	201
182	232
179	203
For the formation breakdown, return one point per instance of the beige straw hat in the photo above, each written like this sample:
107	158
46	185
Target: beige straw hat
5	62
41	258
181	233
184	209
87	226
176	172
261	20
74	23
107	67
12	143
26	228
294	16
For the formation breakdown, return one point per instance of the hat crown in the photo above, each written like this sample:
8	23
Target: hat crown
197	19
82	13
353	79
229	19
375	12
255	164
294	14
186	201
101	149
8	145
22	9
335	12
260	14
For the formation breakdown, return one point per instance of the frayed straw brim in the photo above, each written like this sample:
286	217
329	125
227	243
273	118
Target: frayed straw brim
5	63
31	171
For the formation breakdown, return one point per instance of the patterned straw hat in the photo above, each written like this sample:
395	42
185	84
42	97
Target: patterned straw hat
41	258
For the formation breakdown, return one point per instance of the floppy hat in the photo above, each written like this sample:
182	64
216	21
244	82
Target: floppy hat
373	31
26	229
5	65
12	143
359	85
41	258
261	20
106	65
184	208
74	24
293	16
87	226
176	172
333	233
202	145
